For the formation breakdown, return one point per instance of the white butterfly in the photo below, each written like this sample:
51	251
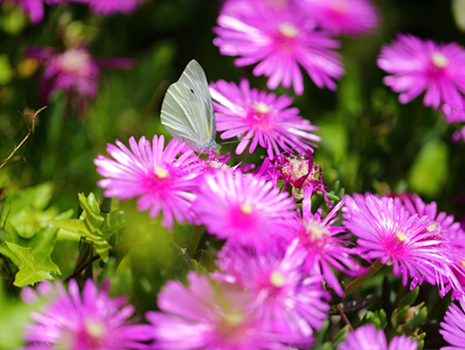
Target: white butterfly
187	110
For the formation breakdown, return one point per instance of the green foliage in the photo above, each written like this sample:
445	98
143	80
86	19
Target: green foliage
430	171
94	226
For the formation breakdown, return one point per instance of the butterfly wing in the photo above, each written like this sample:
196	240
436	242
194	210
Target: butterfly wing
187	110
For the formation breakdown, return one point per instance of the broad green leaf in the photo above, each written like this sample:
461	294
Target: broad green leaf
429	172
29	272
31	256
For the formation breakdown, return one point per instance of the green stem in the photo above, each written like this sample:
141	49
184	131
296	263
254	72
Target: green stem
353	286
197	232
105	207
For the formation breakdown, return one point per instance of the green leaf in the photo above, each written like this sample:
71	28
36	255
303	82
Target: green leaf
458	9
31	256
430	171
29	272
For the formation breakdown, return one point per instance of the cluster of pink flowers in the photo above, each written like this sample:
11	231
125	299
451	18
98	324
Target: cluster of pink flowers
418	66
36	11
280	36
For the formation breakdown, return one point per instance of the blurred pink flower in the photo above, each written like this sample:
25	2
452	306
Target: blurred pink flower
107	7
161	179
93	321
279	40
459	135
243	209
347	17
74	71
208	316
289	301
257	117
420	65
368	338
453	327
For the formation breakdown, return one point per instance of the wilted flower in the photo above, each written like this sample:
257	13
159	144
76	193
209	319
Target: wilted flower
207	316
243	209
93	321
387	231
368	338
289	301
155	174
258	117
325	251
420	65
347	17
453	327
74	71
279	40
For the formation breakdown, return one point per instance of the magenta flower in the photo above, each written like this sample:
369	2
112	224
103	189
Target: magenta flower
451	235
387	231
155	174
422	65
288	301
243	210
453	327
279	40
459	135
325	251
347	17
206	316
74	71
257	117
368	338
108	7
94	321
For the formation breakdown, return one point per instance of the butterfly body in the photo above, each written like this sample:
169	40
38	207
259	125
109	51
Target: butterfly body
187	110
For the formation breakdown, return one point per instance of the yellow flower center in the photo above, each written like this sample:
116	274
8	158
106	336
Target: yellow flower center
246	208
439	60
401	237
261	107
74	61
95	329
277	279
161	172
288	30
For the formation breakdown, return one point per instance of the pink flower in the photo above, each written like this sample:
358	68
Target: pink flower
94	321
257	117
387	231
459	135
325	251
347	17
206	316
108	7
243	210
288	301
155	174
451	235
368	338
422	65
74	71
453	327
279	40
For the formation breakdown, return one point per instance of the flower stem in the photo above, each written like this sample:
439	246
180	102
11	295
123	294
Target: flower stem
353	286
197	232
344	317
